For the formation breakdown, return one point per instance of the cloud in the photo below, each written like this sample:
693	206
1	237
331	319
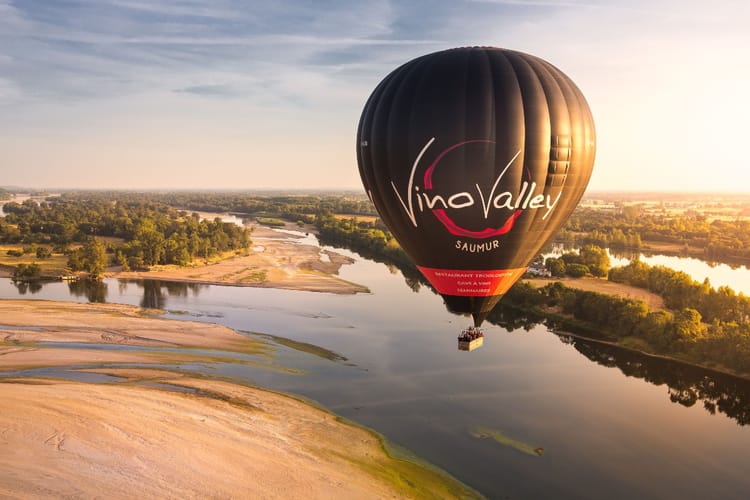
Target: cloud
201	9
538	3
116	47
219	90
8	90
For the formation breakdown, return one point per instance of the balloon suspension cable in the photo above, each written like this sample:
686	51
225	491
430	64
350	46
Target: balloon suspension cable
479	318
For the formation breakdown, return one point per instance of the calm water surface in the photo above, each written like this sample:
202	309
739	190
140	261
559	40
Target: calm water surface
735	277
605	423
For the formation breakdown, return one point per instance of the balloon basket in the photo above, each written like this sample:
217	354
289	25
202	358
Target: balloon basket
470	345
471	338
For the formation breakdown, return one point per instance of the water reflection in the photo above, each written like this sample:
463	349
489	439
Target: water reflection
93	290
687	384
624	254
733	275
512	318
25	287
155	292
153	297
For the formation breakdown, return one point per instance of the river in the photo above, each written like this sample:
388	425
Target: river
528	415
735	277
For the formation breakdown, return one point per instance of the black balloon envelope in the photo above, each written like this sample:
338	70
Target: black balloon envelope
474	157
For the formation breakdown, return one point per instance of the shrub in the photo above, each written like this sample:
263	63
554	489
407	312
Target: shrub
25	272
43	253
576	270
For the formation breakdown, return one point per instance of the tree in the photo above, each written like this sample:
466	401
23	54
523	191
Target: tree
91	257
24	272
555	266
43	253
688	327
95	255
656	329
631	212
152	242
576	270
596	259
122	260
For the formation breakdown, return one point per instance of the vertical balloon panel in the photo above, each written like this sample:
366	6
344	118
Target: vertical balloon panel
474	157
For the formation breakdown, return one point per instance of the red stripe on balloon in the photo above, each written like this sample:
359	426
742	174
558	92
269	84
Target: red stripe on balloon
489	232
472	282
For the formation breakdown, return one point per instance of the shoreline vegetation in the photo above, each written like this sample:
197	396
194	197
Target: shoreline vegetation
93	426
695	323
276	260
567	327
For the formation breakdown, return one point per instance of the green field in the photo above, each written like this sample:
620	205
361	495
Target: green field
54	266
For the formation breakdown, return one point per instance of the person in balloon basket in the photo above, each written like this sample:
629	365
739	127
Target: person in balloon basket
470	334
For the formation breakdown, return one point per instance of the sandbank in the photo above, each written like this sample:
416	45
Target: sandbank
275	260
151	432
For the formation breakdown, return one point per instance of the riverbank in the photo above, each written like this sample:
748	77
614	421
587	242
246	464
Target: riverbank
152	432
277	260
568	326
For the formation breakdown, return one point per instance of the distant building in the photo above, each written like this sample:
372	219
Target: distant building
538	269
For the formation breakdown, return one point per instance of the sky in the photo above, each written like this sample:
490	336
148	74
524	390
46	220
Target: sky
246	95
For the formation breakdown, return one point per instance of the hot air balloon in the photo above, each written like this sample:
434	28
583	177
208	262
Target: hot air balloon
474	157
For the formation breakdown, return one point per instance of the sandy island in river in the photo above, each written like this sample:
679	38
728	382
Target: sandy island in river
276	260
157	433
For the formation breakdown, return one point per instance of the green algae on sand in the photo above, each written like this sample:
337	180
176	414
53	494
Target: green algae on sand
500	438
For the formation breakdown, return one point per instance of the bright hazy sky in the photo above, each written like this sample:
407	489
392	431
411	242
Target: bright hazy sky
156	94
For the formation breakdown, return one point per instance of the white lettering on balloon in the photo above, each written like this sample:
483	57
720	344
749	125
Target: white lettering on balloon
530	196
